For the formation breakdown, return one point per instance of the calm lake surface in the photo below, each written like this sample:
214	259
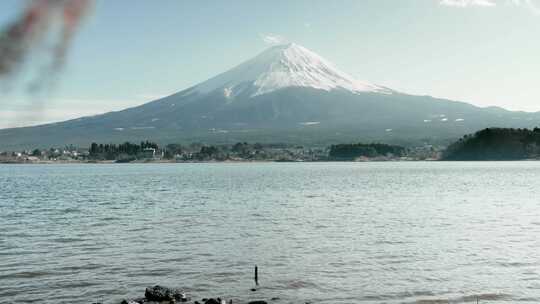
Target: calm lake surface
321	232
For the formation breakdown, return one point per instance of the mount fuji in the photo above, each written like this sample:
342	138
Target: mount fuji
287	94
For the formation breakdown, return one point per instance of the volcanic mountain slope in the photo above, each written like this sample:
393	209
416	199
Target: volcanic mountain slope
285	94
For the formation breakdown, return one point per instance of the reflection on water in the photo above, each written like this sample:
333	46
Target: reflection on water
320	232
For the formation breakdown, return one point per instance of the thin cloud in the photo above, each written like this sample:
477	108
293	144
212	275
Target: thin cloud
32	117
467	3
272	39
532	5
22	112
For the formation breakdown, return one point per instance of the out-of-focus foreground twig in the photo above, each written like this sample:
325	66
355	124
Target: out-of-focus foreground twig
19	38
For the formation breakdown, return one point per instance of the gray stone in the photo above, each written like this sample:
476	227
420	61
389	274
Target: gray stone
160	293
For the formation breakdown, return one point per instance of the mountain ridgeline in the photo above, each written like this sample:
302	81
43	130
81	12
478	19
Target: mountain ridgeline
496	144
286	94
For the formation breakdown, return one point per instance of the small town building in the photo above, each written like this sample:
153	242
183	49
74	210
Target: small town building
149	153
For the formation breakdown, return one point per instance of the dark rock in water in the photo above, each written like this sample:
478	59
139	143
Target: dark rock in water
183	297
212	301
160	293
132	302
257	302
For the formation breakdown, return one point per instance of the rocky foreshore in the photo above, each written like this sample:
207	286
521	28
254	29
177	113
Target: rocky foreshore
164	295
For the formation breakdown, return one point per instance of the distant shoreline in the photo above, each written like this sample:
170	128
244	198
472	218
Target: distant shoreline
246	162
107	162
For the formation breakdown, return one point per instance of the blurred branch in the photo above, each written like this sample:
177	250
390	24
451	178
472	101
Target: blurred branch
19	38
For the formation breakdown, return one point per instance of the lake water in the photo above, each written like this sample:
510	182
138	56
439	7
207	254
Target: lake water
393	232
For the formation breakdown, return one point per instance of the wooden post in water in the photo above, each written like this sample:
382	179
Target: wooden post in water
256	276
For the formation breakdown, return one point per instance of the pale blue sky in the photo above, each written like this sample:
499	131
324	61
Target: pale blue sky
128	52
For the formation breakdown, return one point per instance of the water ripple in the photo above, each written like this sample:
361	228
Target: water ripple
325	233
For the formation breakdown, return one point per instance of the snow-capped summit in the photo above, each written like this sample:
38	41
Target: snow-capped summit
282	66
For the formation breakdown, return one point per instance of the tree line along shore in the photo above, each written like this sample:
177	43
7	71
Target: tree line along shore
239	152
487	144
